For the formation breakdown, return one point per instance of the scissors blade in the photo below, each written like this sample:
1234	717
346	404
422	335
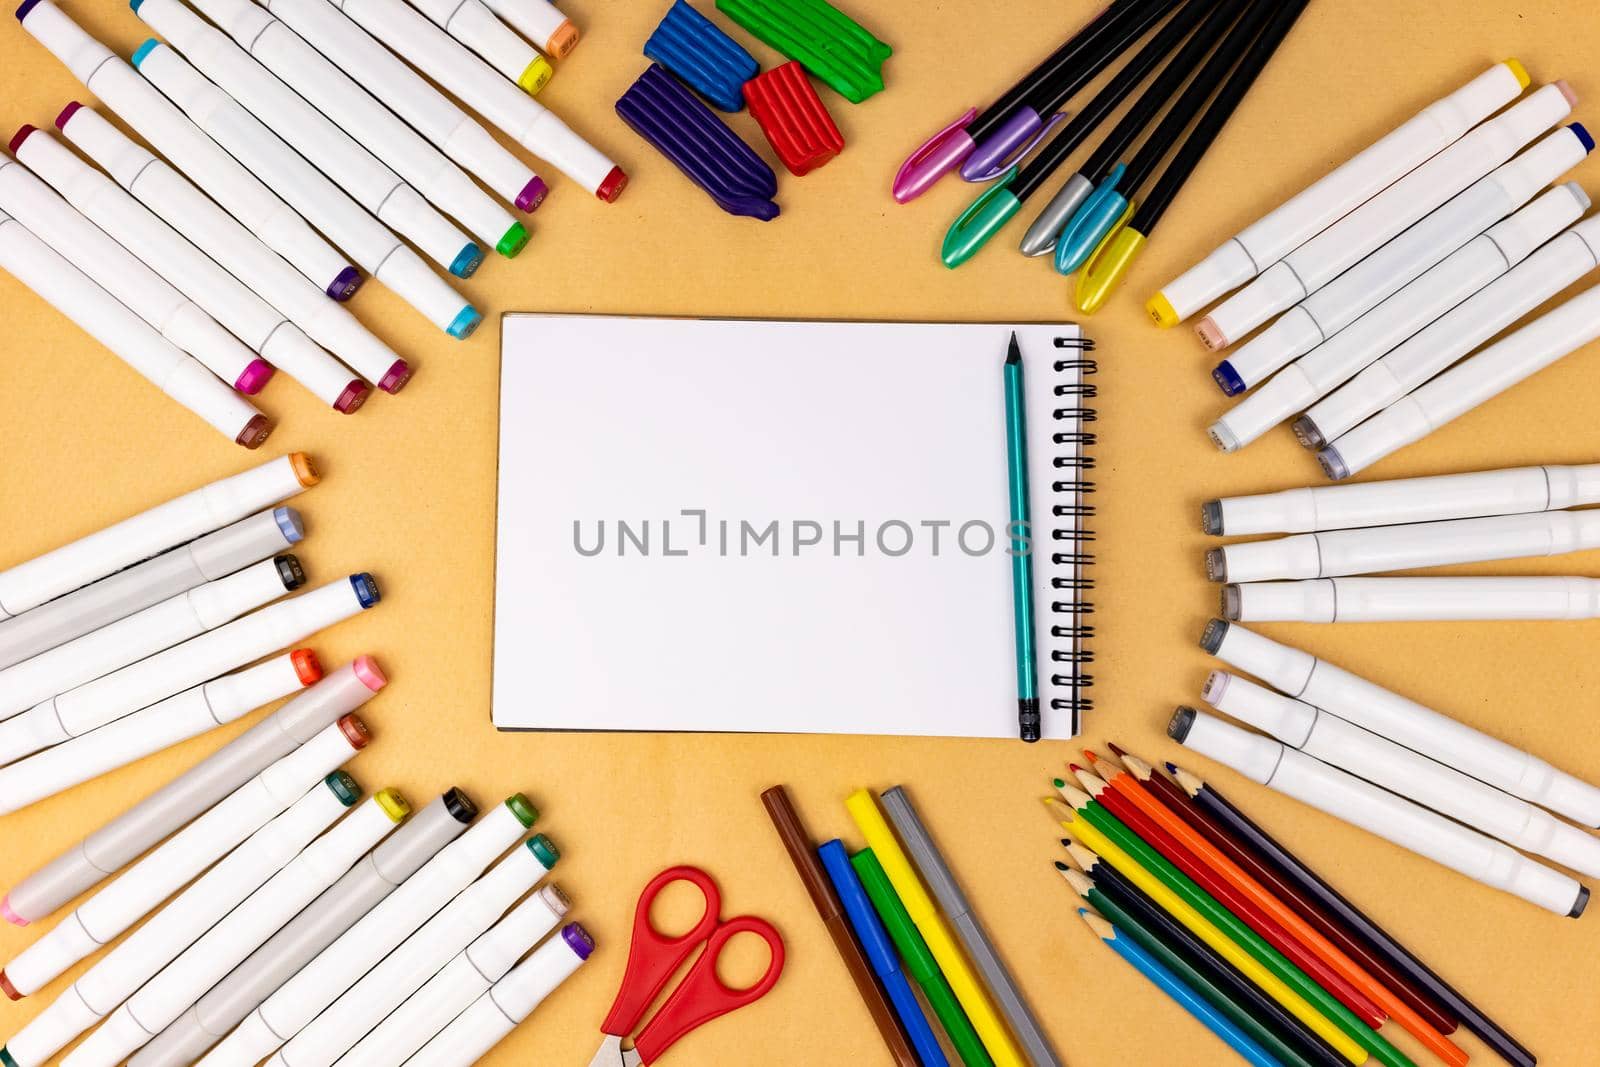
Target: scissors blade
611	1054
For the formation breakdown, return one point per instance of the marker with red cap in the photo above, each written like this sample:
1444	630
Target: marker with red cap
127	836
224	297
129	337
152	729
154	117
104	916
440	57
216	233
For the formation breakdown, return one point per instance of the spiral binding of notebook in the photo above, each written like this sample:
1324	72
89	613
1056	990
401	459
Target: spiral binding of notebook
1074	584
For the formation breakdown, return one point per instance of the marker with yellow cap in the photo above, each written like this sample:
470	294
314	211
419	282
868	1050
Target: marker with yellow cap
475	26
863	808
1252	44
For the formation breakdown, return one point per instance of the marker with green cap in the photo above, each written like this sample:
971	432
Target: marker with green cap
919	961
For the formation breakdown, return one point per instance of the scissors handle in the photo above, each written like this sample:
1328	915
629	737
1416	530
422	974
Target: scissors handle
653	957
703	995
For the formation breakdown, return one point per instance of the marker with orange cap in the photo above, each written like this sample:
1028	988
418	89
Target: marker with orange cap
27	585
539	21
474	25
144	952
152	729
165	997
104	916
125	837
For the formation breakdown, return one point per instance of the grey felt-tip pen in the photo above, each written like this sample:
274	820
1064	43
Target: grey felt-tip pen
116	843
327	917
931	865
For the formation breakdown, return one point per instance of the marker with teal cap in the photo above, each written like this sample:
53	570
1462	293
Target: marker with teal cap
1021	548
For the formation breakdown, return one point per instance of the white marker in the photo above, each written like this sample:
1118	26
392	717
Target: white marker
102	316
1331	197
124	838
120	973
103	917
1541	276
369	182
126	277
1334	250
373	877
183	981
98	604
319	983
540	22
412	98
1392	818
1443	230
461	981
366	1003
143	633
1411	599
1513	491
1396	768
1398	319
1476	379
1320	683
1402	548
475	26
138	685
190	150
338	96
216	233
152	729
438	56
495	1014
191	272
324	204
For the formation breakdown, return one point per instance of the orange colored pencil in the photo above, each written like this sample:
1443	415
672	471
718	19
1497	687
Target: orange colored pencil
1399	1010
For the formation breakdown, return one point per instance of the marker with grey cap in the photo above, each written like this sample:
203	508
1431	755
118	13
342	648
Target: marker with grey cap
349	1016
188	149
1411	599
1327	737
958	911
152	729
1397	320
101	603
1542	275
512	999
104	916
289	1010
373	877
189	975
1393	818
461	981
1387	714
124	838
61	570
146	632
1443	230
1339	247
119	974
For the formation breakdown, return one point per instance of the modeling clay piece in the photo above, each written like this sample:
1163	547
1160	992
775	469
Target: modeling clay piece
665	113
790	113
830	44
692	47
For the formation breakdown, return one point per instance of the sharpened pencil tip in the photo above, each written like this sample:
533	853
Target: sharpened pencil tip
1074	768
1059	783
1116	748
1061	866
1014	353
1172	768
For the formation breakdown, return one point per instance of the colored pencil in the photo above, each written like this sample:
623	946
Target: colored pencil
1472	1017
1180	803
1397	1009
1179	990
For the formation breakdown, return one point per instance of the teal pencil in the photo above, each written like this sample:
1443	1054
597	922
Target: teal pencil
1028	719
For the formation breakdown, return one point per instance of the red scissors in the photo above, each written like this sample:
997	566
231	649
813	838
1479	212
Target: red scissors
653	958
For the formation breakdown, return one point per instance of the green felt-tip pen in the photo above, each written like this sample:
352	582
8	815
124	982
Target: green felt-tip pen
1021	545
919	961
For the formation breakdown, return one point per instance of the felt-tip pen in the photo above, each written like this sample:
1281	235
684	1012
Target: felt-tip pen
541	22
1360	599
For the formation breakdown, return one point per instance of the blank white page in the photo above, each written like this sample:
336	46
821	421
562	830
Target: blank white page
719	622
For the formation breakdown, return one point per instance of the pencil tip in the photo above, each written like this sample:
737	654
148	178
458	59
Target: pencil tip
1014	353
1172	768
1116	748
1059	782
1061	866
1074	768
1089	754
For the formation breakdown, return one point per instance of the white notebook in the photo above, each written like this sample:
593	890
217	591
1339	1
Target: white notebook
797	527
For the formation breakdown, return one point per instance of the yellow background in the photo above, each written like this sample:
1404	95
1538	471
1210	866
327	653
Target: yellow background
409	495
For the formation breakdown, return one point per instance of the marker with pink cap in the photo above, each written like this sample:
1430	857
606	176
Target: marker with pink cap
221	295
127	836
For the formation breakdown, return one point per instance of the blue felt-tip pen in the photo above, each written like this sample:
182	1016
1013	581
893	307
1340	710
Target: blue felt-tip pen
1028	721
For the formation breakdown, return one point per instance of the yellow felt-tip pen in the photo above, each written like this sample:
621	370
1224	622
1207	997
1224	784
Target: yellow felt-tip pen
863	807
1108	263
